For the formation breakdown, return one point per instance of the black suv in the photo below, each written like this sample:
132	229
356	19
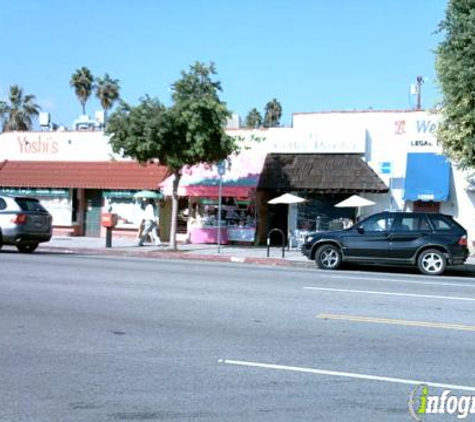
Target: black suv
430	241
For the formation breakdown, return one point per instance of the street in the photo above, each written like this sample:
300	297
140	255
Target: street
86	338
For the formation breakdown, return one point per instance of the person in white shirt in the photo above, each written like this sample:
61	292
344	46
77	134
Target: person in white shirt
150	224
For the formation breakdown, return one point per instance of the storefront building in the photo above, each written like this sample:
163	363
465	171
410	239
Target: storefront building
324	164
200	188
402	148
389	157
77	177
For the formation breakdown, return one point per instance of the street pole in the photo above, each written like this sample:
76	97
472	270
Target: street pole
420	81
219	211
221	171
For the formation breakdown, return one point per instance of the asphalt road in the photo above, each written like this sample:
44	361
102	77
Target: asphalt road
116	339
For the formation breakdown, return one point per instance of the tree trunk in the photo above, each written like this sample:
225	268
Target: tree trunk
105	120
176	182
83	108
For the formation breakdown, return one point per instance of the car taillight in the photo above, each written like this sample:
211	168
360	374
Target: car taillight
19	219
463	240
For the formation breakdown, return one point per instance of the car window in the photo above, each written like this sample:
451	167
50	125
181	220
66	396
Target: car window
29	204
411	223
440	223
377	223
3	204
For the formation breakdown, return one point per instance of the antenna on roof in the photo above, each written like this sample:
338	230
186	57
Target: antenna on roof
416	89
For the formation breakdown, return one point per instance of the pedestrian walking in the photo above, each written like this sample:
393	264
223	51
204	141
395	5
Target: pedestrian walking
149	222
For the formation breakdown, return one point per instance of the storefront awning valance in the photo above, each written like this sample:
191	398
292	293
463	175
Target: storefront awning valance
87	175
325	173
427	177
240	178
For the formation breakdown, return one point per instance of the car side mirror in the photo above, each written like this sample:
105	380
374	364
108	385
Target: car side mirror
360	229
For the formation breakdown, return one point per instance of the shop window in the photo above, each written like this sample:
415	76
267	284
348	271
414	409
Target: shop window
182	221
238	219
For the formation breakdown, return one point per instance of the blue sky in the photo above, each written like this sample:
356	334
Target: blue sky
312	55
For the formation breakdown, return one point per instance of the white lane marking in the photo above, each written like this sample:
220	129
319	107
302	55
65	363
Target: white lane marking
372	292
402	280
344	374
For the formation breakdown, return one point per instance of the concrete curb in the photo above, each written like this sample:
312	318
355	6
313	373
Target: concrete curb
178	255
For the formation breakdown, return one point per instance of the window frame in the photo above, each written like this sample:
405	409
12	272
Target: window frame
443	218
389	223
399	219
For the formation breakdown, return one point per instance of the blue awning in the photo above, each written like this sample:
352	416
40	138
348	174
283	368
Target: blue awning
427	177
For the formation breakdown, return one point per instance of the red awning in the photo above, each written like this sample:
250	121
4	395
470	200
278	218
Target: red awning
87	175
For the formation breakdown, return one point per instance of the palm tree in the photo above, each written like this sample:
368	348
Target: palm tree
19	111
273	114
107	91
83	83
253	119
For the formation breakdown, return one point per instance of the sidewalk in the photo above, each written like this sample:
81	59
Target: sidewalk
124	246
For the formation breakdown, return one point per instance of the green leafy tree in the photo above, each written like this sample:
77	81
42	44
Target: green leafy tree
108	92
83	83
19	111
273	113
253	119
455	65
189	132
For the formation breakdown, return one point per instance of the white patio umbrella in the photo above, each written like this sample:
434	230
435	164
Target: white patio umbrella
287	198
354	201
147	194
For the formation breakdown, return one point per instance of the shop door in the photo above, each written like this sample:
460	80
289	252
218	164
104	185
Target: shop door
93	213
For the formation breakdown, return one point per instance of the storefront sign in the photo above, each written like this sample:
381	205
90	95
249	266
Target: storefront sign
59	193
385	167
426	126
55	146
40	145
421	143
326	139
422	127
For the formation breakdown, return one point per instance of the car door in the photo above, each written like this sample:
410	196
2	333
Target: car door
409	232
368	239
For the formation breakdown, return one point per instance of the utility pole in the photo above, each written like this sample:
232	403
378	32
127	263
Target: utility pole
420	81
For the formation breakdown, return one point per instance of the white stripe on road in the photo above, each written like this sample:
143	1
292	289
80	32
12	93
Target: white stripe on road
344	374
402	280
371	292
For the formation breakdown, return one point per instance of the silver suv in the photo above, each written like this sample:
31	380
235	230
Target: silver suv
24	223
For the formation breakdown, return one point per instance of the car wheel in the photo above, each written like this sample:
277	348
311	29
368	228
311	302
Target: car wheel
27	247
1	240
432	262
328	257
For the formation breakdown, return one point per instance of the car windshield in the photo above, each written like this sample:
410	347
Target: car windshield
30	204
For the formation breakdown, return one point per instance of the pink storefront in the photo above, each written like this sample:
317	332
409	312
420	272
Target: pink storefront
200	186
